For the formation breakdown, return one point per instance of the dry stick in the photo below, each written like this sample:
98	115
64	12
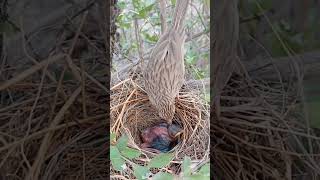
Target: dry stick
201	19
55	99
30	71
91	43
261	146
117	122
163	18
24	157
31	113
308	155
134	100
5	157
84	165
43	131
35	170
236	121
138	38
75	39
83	86
76	73
37	98
120	83
73	68
96	82
51	77
192	37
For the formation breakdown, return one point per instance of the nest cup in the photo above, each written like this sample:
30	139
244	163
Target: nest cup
131	112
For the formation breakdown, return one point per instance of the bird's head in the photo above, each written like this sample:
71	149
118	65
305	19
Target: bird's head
167	112
165	106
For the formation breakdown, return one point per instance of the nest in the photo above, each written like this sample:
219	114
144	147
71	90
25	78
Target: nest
131	112
53	115
262	133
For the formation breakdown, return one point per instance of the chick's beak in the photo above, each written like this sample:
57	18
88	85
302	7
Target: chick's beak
177	135
174	131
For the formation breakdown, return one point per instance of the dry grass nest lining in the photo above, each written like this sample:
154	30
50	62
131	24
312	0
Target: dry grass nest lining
131	112
262	133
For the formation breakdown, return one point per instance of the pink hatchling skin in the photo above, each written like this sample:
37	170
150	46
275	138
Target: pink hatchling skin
162	129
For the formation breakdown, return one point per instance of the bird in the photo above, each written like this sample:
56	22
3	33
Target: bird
164	72
161	137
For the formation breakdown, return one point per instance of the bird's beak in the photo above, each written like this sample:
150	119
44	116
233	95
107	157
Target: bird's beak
177	135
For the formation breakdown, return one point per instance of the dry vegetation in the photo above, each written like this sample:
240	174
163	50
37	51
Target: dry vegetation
131	112
53	110
259	129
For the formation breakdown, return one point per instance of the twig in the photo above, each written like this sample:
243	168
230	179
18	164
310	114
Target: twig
43	131
30	71
138	38
75	39
83	86
36	166
37	98
51	77
163	14
119	119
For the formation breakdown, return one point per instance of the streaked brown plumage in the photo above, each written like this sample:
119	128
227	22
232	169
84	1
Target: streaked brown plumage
164	72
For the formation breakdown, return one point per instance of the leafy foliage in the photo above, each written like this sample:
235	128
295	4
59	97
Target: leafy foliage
116	160
147	14
140	172
120	151
161	160
203	174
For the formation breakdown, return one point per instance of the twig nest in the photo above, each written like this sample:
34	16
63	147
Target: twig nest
132	112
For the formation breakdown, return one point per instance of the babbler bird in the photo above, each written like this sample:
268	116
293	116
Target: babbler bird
161	137
164	72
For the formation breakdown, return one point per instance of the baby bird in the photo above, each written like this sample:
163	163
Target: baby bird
161	137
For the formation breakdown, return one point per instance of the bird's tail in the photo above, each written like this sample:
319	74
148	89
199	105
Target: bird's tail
180	13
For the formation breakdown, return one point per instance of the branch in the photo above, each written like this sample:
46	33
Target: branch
162	7
266	68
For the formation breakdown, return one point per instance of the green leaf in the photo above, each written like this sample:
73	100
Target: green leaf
173	2
161	160
151	38
123	21
130	153
136	4
140	172
116	160
143	13
190	59
186	166
205	170
121	4
163	176
122	142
